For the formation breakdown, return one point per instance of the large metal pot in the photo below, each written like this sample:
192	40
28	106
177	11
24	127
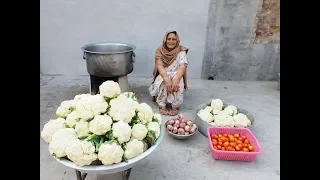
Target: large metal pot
109	59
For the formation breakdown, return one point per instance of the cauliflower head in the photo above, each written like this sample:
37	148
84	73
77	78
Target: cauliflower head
241	121
72	119
61	140
51	127
82	128
139	131
154	126
133	148
122	131
122	108
208	108
216	111
100	124
125	113
80	96
145	113
217	104
231	110
158	118
224	112
81	153
109	89
223	120
90	106
65	108
205	115
110	153
130	95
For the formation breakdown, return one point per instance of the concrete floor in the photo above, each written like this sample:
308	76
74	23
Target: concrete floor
174	159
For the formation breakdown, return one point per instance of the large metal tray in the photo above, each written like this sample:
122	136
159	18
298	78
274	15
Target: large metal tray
114	168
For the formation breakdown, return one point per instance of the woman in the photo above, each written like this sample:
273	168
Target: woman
169	74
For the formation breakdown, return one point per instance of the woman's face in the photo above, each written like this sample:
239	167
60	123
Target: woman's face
171	41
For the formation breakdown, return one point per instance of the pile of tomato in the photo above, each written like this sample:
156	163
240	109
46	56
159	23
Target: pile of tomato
231	142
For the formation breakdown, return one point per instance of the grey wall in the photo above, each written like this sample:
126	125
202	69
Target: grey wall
66	25
229	53
217	32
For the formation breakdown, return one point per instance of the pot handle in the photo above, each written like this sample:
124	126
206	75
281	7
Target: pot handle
133	57
84	55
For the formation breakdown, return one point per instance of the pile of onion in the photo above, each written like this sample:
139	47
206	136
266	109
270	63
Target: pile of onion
180	125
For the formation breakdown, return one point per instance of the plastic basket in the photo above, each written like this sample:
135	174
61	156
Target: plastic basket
234	155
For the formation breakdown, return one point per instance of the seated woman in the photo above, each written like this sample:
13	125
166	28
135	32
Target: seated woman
169	74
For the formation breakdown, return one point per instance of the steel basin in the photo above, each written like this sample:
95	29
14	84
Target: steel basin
203	125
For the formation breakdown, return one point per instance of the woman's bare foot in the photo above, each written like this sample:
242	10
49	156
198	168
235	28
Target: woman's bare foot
163	110
174	111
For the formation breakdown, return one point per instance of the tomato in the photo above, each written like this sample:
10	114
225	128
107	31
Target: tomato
220	143
214	142
225	135
235	139
231	139
245	150
231	148
240	146
244	137
237	148
240	139
224	139
251	148
214	136
244	145
239	142
219	147
215	147
236	135
219	135
246	141
223	148
226	144
232	144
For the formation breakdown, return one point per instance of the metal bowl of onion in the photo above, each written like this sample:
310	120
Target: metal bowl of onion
180	128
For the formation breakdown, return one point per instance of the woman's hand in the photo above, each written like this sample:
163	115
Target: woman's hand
175	85
168	84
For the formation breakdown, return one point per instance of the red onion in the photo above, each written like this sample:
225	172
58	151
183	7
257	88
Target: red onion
186	133
175	130
171	122
187	128
177	122
184	120
182	125
180	116
194	126
176	125
192	130
169	127
189	123
181	131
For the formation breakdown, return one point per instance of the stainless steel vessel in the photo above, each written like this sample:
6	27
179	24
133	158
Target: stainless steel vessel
109	59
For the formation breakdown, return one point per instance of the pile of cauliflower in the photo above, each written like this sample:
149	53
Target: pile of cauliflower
218	116
110	127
